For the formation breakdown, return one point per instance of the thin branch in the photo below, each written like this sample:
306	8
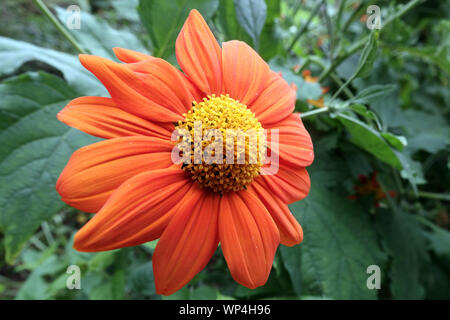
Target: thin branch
43	7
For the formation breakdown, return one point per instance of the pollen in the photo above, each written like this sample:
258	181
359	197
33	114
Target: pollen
224	144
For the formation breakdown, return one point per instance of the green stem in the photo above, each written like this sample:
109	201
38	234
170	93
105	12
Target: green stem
305	26
359	44
339	14
354	15
433	195
339	82
428	223
43	7
342	88
313	112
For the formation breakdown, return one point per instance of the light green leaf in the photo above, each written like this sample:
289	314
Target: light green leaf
370	140
251	15
426	131
126	9
35	149
306	90
339	244
164	19
98	37
398	142
372	93
14	53
367	58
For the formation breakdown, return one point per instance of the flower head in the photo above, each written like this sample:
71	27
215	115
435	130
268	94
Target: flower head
369	186
140	194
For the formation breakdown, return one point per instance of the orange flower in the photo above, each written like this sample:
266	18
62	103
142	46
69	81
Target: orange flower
370	187
319	103
141	195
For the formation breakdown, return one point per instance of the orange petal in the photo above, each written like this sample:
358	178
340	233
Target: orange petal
168	85
294	145
276	101
249	238
134	92
130	56
245	73
291	232
101	117
137	212
95	171
289	184
199	54
187	244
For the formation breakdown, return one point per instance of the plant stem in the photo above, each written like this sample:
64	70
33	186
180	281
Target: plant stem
43	7
339	14
305	26
339	82
432	195
360	43
313	112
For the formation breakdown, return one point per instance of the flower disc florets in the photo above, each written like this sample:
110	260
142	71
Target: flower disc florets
223	144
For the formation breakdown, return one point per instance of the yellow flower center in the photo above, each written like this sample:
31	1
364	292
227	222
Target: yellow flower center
225	144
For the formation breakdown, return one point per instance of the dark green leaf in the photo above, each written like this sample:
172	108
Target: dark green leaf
98	37
368	139
339	244
251	15
403	240
367	58
35	149
14	53
164	19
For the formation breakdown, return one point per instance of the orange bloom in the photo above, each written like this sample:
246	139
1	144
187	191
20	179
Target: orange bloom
369	186
141	195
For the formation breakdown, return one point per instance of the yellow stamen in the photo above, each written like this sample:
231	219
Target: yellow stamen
225	115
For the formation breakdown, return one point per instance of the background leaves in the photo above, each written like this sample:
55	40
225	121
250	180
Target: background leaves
35	148
375	103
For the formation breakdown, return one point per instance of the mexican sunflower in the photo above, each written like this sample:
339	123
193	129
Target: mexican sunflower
139	194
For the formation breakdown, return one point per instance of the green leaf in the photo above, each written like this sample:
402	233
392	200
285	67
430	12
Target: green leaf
372	93
402	239
35	149
164	19
305	90
14	53
227	18
439	241
370	140
141	281
398	142
98	37
339	244
126	9
367	58
251	15
292	262
426	131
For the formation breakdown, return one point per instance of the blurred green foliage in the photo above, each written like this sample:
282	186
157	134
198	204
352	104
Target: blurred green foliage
386	111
